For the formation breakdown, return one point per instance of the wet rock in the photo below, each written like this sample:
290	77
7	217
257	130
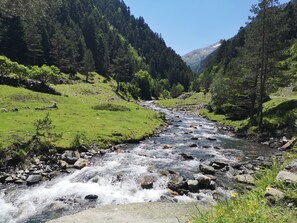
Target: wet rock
167	146
33	179
245	179
193	145
193	186
91	197
207	169
172	193
274	195
58	206
70	156
195	138
194	126
219	163
287	177
292	167
178	184
147	182
80	163
187	157
211	139
19	181
9	179
204	181
3	176
212	185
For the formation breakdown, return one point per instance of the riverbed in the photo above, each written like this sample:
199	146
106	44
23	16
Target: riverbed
116	177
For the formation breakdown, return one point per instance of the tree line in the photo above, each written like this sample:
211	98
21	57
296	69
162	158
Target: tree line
85	36
256	62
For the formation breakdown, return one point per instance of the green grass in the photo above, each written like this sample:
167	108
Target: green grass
75	114
253	207
194	100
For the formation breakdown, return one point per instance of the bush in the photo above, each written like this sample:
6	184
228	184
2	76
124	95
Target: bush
177	90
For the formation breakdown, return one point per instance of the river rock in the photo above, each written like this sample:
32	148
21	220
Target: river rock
147	182
193	145
204	181
287	177
91	197
178	184
245	179
219	163
3	176
63	164
274	195
70	156
9	179
292	167
33	179
186	156
80	163
167	146
193	186
207	169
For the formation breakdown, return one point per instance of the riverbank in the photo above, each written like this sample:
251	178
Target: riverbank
46	135
273	198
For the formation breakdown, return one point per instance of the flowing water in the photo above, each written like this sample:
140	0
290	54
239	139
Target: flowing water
115	177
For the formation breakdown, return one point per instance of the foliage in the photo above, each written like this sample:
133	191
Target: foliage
143	80
86	36
177	90
252	207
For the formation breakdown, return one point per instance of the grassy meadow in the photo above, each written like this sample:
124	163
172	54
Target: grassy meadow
92	110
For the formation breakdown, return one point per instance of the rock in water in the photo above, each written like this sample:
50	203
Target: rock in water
207	169
187	157
147	182
33	179
80	163
91	197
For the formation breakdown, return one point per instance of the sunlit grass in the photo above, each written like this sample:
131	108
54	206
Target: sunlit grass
75	114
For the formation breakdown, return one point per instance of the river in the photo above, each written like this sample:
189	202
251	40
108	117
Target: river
115	177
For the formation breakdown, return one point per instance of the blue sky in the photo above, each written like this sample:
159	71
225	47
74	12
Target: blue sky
186	25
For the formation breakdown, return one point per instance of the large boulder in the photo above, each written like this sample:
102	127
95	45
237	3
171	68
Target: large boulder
287	177
33	179
70	156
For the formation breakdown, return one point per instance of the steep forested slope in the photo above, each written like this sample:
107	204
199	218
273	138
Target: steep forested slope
85	36
258	61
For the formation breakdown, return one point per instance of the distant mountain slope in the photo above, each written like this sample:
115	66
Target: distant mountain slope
196	58
88	35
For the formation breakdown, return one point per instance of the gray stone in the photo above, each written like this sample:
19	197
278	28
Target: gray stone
167	146
245	178
9	179
274	195
33	179
70	156
219	163
292	167
193	186
287	177
80	163
207	169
